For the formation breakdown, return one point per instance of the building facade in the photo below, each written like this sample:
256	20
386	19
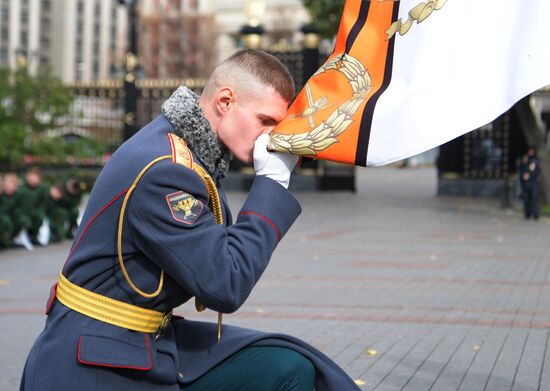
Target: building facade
82	40
281	19
21	25
187	38
86	40
176	38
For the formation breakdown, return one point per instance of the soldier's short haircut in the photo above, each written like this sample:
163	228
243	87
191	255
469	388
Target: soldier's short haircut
262	67
34	170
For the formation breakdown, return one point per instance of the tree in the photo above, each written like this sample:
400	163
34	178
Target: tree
325	15
29	105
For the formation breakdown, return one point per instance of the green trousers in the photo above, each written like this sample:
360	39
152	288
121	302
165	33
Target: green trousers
36	217
57	216
6	231
259	369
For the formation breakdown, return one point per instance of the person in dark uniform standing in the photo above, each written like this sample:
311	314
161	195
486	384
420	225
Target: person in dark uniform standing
157	232
530	172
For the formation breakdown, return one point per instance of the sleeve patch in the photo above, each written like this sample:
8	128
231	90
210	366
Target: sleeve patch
184	207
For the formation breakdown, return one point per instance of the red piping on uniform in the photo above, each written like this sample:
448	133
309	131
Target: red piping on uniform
90	223
80	360
173	148
266	219
52	298
174	155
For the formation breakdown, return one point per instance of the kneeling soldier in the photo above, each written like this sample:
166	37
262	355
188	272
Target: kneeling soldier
157	232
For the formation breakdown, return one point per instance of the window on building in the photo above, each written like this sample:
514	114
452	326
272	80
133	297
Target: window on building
46	5
79	70
44	43
95	70
44	25
24	38
113	71
95	47
44	61
3	56
5	13
113	28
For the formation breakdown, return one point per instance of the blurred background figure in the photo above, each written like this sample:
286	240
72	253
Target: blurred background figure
62	209
14	220
56	213
530	173
72	196
32	202
6	226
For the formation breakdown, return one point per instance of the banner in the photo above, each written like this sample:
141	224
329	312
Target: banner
406	76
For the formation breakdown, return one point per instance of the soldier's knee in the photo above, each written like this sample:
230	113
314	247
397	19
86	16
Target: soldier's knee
293	371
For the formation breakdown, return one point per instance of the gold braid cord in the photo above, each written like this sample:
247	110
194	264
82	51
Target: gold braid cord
216	209
325	134
213	202
182	155
119	235
419	13
213	197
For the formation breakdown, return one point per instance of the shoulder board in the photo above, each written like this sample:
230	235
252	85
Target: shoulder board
181	154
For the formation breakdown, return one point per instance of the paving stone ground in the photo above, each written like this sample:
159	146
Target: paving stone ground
405	290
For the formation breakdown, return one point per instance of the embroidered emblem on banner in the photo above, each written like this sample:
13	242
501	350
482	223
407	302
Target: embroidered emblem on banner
184	207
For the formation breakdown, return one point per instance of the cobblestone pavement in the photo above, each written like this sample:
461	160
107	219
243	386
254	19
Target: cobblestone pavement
405	290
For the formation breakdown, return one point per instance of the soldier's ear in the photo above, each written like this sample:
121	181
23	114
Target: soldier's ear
225	98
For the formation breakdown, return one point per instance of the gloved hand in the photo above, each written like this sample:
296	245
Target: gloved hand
274	165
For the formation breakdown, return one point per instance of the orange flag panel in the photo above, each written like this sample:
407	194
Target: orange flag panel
327	117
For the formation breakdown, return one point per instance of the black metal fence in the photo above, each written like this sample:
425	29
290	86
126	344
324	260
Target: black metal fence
97	112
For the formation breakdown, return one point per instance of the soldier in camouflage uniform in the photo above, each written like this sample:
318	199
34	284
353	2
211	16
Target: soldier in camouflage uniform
62	206
13	218
72	196
32	201
6	226
56	212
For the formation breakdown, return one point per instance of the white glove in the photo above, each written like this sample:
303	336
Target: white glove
274	165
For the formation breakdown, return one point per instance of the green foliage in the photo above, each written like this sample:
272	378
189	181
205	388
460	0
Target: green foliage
57	150
29	105
325	15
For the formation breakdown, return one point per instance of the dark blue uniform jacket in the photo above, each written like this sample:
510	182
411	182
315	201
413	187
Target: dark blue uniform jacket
219	264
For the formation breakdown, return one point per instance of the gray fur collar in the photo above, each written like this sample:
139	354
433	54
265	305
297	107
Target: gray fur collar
183	111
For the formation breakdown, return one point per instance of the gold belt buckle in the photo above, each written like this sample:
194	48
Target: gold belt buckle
163	324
